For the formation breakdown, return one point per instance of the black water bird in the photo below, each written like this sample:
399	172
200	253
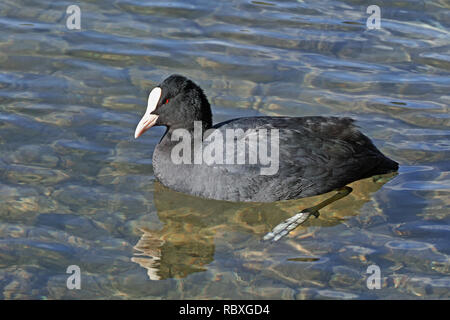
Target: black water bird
315	154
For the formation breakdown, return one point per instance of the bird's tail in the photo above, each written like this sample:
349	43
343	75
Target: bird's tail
386	166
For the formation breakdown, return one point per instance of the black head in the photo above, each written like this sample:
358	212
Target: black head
176	103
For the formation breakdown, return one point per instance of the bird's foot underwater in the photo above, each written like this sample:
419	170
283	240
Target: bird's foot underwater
290	224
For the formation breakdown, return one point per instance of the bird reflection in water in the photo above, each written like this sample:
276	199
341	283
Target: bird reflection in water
186	242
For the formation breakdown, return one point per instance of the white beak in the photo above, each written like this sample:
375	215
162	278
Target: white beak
148	120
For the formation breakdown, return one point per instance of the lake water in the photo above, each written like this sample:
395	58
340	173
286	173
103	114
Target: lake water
76	188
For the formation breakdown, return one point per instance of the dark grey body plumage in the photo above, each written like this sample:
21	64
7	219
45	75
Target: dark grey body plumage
316	155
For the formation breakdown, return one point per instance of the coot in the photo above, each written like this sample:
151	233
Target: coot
260	159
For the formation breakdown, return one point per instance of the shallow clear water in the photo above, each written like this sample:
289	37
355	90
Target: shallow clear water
76	188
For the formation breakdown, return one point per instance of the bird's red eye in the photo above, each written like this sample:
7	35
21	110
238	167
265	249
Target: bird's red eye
167	101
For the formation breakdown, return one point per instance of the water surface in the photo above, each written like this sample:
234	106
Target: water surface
76	188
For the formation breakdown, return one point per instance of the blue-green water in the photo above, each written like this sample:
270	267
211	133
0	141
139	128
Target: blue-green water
76	188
